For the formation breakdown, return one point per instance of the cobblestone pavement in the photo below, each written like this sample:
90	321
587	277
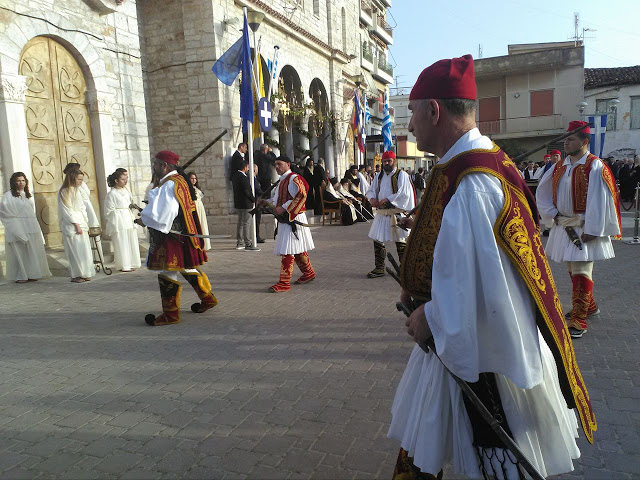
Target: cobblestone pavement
293	385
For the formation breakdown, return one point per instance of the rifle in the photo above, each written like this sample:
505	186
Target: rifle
207	147
517	158
484	412
264	195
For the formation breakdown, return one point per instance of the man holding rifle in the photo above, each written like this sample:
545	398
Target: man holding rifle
480	290
579	195
174	245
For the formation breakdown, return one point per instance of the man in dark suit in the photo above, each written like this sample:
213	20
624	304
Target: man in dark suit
236	160
243	201
258	193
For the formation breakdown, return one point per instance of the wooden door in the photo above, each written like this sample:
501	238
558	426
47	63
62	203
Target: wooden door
58	127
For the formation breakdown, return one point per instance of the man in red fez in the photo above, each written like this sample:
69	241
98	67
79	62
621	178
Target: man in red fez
476	274
391	193
580	198
173	221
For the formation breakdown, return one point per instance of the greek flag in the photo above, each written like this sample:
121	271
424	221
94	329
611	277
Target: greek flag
598	130
386	126
367	113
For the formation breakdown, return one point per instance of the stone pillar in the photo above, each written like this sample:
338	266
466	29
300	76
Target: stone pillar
274	134
315	152
303	125
329	161
288	144
14	146
100	107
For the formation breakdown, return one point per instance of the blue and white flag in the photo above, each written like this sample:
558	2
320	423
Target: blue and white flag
598	130
227	67
367	113
386	126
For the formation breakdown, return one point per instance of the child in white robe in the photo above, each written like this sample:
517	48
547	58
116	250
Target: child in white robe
120	226
24	243
74	225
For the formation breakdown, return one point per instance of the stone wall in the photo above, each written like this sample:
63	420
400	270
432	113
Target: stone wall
103	39
187	105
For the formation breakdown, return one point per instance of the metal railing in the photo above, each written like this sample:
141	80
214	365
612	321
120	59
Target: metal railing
367	52
385	66
365	5
382	23
521	124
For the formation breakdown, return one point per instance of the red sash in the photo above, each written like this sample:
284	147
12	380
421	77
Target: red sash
517	233
297	204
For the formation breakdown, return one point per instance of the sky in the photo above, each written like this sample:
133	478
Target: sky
428	30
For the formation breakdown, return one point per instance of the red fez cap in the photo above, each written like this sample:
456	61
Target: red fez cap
547	156
448	78
388	154
556	152
168	156
577	124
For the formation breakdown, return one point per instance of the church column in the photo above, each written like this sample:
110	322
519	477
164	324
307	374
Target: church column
303	125
329	161
14	146
315	152
100	107
288	144
274	134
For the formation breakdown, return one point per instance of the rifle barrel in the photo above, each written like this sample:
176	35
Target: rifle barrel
517	158
209	145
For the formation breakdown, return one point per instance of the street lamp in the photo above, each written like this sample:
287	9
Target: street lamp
614	109
254	19
581	106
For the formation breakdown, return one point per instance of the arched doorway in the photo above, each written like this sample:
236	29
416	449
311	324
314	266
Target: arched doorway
58	127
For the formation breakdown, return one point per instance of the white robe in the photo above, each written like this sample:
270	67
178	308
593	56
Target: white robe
364	183
331	190
286	241
202	215
163	206
77	247
24	243
92	218
121	229
600	218
478	297
403	199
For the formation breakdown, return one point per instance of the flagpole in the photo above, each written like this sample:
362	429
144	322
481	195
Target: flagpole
250	142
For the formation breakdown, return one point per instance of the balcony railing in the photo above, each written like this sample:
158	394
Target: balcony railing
521	124
385	66
382	23
365	5
367	52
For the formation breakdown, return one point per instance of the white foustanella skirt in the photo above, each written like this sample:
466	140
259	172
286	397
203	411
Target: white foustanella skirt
286	241
431	422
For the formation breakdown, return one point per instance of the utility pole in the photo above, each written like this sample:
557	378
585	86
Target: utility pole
479	50
576	23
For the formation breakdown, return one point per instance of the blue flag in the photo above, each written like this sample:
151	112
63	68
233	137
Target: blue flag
386	126
598	131
227	67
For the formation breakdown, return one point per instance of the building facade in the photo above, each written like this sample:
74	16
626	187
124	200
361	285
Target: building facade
106	83
529	96
616	92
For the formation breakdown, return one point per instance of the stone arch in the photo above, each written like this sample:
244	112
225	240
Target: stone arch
292	95
319	126
20	30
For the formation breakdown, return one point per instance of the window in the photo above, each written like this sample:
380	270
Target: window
489	115
401	112
316	8
541	102
635	112
608	106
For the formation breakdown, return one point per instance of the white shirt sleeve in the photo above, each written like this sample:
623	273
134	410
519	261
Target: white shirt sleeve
601	218
162	209
544	198
403	198
481	313
371	193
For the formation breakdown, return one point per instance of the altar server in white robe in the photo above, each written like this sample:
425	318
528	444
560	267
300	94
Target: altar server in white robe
481	314
120	226
72	212
202	214
590	209
24	244
289	200
391	193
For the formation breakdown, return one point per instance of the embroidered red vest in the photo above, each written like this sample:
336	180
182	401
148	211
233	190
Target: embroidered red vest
187	207
580	185
297	204
517	233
